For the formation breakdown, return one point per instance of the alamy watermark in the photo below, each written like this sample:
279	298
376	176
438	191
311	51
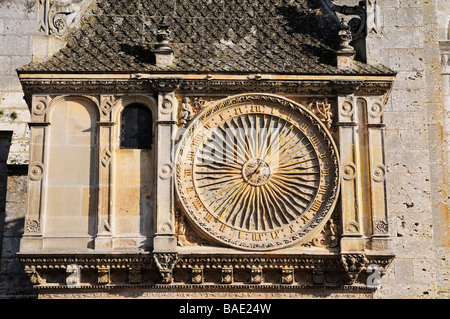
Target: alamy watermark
373	280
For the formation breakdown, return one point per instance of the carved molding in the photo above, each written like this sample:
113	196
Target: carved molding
225	87
165	84
198	271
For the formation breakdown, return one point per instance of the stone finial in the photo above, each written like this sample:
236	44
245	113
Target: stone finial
163	51
346	53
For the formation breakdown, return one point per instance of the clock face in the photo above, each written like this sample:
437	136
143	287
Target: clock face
257	172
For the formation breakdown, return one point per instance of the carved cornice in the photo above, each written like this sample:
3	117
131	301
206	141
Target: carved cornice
188	272
46	85
320	87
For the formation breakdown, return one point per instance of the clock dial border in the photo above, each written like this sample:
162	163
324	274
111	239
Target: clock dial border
305	224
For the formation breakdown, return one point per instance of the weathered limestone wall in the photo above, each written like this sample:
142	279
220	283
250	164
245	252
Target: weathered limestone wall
17	26
407	41
418	131
14	283
442	245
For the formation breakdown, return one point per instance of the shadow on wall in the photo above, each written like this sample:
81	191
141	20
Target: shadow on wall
5	143
318	32
13	184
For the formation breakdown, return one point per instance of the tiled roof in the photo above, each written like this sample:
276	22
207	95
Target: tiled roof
264	36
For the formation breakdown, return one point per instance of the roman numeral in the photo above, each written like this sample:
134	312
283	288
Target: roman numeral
257	237
316	205
208	217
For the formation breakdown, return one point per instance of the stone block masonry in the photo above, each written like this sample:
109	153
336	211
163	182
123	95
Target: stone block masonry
17	27
406	41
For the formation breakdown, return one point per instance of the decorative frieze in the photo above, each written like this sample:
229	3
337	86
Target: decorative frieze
259	272
143	85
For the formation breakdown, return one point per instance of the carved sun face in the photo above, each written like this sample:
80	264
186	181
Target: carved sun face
256	176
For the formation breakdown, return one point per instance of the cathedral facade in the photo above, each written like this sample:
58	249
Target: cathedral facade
239	148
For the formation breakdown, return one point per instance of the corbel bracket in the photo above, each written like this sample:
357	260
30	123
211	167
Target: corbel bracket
354	264
165	263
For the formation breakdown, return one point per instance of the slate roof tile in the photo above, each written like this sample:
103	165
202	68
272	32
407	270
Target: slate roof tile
266	36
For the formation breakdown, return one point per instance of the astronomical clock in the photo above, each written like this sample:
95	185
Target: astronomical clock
257	172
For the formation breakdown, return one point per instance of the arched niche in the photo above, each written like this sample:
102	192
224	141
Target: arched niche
133	173
71	179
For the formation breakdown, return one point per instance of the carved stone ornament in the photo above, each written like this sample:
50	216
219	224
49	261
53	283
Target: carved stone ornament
186	111
353	264
33	225
36	171
328	237
73	276
40	106
322	109
165	263
104	275
61	14
190	271
34	276
380	227
106	104
238	162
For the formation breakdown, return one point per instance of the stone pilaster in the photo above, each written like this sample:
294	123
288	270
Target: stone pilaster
377	173
349	150
165	240
105	126
32	238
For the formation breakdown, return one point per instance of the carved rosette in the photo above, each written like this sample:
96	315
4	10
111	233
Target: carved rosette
33	225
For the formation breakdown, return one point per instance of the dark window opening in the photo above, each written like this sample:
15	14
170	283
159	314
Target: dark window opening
136	127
